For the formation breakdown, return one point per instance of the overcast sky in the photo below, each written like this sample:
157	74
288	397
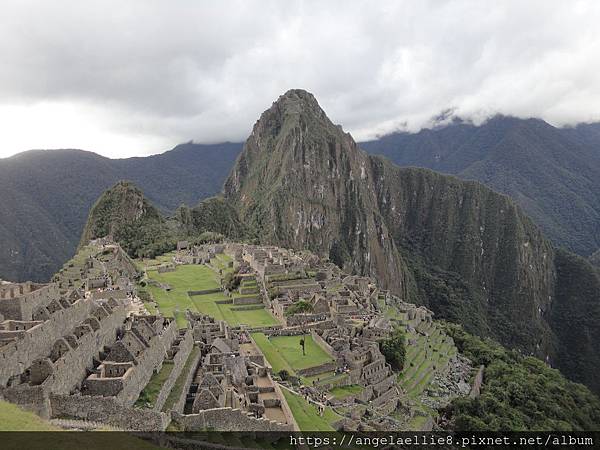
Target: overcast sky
125	78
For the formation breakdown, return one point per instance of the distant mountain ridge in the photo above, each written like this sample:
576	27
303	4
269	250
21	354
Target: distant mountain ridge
45	197
553	173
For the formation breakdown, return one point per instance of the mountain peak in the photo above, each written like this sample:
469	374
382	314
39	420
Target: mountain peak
123	212
297	98
294	107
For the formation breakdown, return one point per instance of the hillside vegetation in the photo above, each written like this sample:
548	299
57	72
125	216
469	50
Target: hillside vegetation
519	393
124	213
47	195
552	173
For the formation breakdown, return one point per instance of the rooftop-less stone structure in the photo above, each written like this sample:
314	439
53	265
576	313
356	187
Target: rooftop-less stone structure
83	347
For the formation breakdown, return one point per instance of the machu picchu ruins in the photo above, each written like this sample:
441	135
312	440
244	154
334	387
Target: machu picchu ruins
257	338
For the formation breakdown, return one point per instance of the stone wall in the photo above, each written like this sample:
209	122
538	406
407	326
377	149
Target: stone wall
72	367
247	300
248	307
205	292
22	306
107	410
37	342
152	357
180	403
284	332
321	343
301	319
126	389
287	412
316	370
31	398
266	329
297	330
227	419
185	347
387	396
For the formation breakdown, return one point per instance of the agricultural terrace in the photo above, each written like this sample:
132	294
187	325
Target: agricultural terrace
174	302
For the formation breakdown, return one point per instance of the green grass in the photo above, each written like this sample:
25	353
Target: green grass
177	389
307	416
324	378
200	277
152	389
186	278
13	418
276	360
345	391
316	378
161	259
221	261
284	352
289	347
206	304
418	371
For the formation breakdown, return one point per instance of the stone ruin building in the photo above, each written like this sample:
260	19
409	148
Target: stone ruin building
78	349
236	384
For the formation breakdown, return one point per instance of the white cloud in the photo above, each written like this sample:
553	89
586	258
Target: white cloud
137	77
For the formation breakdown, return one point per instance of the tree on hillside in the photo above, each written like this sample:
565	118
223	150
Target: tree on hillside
394	349
301	306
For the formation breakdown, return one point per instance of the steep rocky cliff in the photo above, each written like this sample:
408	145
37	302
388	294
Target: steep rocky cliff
462	249
302	182
575	318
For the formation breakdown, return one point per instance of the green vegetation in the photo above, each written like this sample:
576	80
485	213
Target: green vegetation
274	357
178	387
394	348
194	277
228	312
575	319
307	416
150	393
157	260
13	418
231	281
58	189
213	214
520	393
186	278
345	391
427	355
134	223
550	173
284	352
301	306
595	258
